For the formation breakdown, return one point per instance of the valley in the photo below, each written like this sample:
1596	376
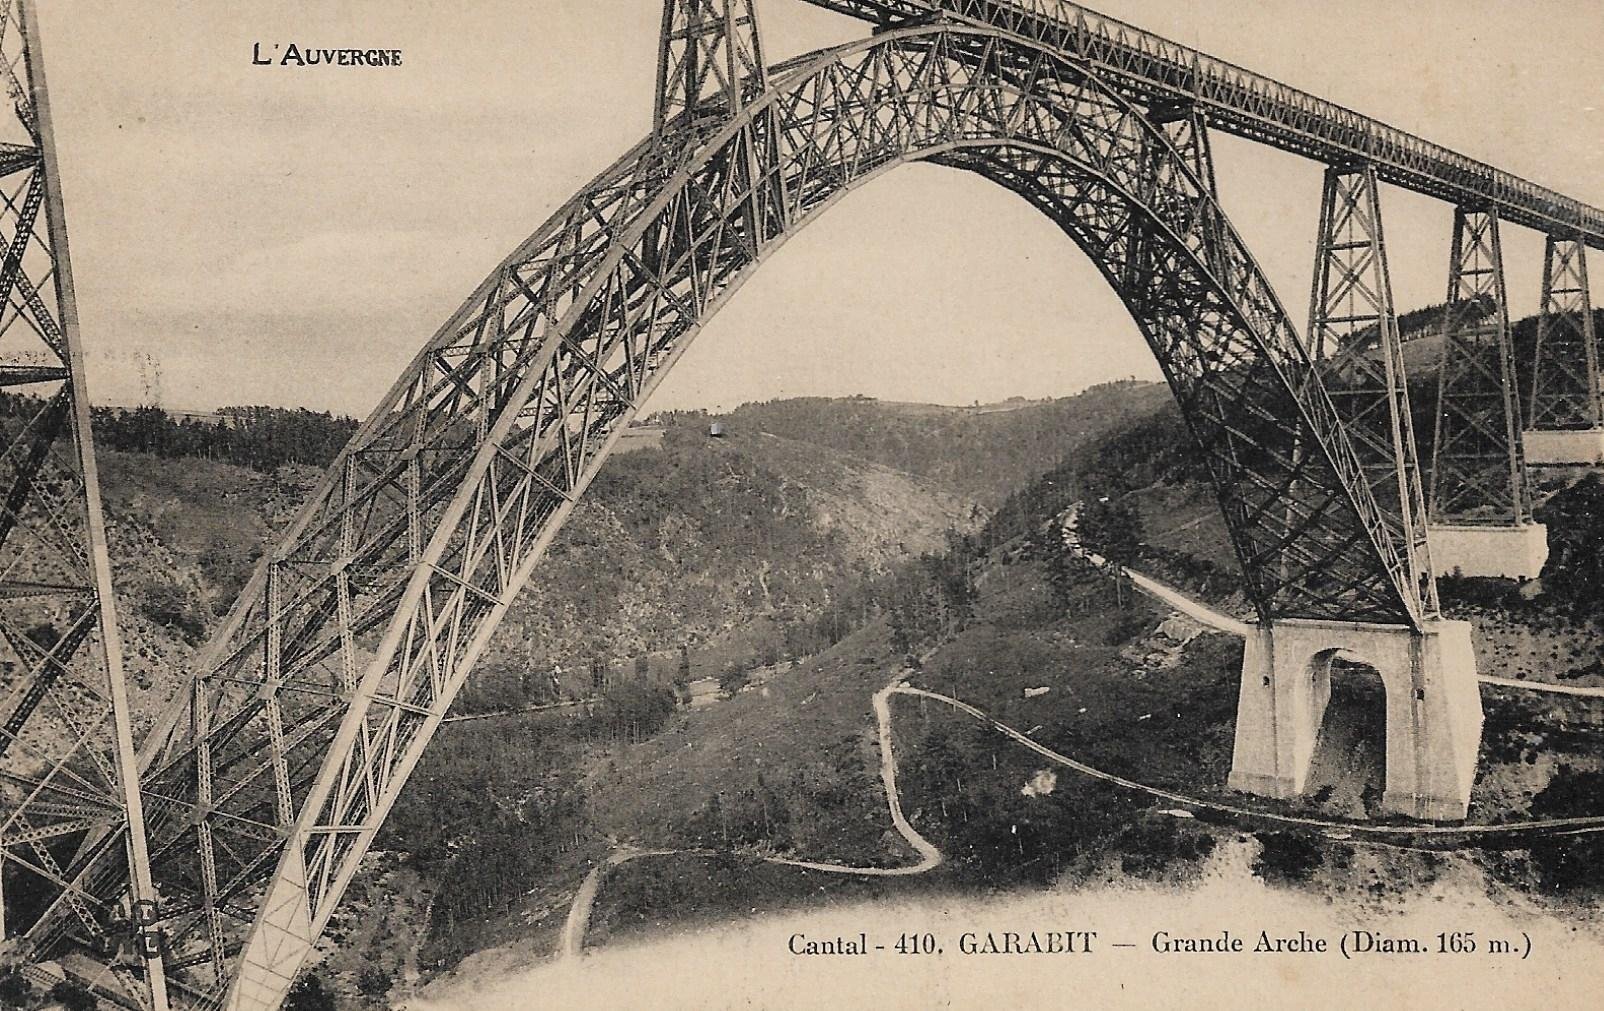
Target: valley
734	633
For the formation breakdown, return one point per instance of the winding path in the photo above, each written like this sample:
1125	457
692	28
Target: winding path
572	941
578	922
929	856
1209	617
1568	826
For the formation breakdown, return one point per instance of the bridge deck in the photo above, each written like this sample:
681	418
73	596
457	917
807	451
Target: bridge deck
1152	69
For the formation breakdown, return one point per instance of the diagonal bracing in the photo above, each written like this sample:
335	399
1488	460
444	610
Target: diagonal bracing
67	764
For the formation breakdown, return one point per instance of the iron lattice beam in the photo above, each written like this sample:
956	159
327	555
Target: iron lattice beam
1478	471
1151	69
1353	335
1565	380
67	761
321	689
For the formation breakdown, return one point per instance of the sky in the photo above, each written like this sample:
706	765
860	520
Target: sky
247	234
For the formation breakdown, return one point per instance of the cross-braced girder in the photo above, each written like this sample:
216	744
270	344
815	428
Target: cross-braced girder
327	680
1565	377
1478	472
1150	69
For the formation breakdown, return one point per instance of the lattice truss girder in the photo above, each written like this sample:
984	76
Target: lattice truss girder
325	683
65	729
1149	68
1353	336
1565	379
1478	470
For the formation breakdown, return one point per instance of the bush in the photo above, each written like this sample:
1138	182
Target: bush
1472	591
373	982
15	990
309	994
733	679
1111	528
73	996
1574	573
169	604
1126	626
1286	857
1153	844
1567	865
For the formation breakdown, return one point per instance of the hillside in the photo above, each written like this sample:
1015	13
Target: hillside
721	544
781	769
798	559
688	542
983	452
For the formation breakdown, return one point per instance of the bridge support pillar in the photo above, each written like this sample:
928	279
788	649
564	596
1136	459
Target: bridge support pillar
1517	551
1433	710
1580	447
1565	423
1480	508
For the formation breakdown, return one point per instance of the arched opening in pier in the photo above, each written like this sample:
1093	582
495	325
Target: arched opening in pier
1348	771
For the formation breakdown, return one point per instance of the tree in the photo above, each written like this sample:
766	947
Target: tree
733	679
1574	573
636	711
74	996
15	990
309	994
1113	529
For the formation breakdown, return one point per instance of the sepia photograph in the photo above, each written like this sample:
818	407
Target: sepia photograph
801	504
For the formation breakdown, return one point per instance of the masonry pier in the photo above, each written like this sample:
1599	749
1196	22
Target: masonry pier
1433	709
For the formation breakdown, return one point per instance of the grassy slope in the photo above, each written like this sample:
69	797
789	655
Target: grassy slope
705	536
806	730
981	454
800	740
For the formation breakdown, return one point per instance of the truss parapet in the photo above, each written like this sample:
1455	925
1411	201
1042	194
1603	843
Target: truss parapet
1151	69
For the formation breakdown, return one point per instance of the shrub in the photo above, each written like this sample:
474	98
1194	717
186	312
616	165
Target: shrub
1568	864
309	994
73	996
1574	573
15	990
1153	844
373	982
169	604
1286	857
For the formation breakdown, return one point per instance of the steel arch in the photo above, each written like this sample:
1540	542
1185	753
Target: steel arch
322	688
